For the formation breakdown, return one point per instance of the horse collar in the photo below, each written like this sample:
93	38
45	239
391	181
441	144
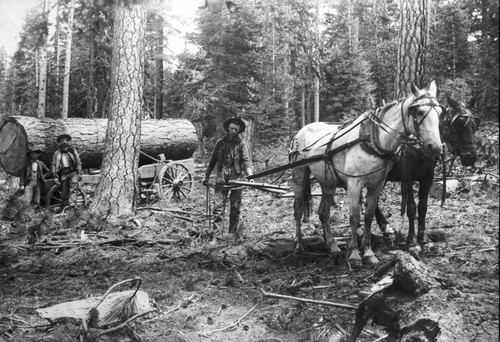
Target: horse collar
372	145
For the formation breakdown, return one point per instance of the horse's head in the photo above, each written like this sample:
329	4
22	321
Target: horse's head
423	120
458	129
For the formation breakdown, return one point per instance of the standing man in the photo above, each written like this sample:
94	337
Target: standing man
32	180
231	159
67	169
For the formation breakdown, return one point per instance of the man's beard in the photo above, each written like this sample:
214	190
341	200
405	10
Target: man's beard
233	138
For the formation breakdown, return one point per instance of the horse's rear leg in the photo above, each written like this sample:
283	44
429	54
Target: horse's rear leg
300	177
324	216
307	200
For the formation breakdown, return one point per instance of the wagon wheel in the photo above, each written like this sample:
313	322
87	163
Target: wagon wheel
176	182
55	199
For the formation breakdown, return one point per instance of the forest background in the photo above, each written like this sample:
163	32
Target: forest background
257	59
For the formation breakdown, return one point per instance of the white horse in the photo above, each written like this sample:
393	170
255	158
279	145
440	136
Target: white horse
359	156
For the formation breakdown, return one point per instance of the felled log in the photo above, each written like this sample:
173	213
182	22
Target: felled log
175	138
279	248
412	305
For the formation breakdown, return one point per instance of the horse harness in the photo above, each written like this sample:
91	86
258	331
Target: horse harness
367	137
456	147
368	128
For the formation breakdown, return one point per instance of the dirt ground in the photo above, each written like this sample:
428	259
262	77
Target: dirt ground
211	290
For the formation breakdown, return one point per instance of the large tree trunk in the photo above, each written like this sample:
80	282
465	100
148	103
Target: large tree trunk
317	68
412	47
175	138
159	68
42	85
67	63
118	188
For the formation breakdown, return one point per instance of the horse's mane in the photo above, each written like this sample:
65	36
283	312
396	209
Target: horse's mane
387	106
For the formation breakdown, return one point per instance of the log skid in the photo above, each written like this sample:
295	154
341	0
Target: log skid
175	138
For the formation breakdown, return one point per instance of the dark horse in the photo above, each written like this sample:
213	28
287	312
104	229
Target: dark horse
360	156
457	128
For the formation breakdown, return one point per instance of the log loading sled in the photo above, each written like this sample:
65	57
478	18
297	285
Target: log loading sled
169	177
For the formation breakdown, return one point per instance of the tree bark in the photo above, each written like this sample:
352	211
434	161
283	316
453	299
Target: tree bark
175	138
248	134
118	188
42	85
412	47
302	106
317	68
159	68
67	63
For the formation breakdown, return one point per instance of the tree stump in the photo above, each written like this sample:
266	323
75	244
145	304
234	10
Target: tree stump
415	307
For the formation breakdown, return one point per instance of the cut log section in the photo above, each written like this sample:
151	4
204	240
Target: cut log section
77	311
174	138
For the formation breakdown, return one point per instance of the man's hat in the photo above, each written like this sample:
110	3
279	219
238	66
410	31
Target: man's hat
31	148
63	136
236	121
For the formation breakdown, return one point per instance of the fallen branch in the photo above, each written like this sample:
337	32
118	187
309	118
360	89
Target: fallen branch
113	242
305	300
318	287
341	329
232	325
124	324
165	209
183	218
181	303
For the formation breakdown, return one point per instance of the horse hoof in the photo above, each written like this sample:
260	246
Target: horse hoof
299	248
423	240
336	257
390	239
415	250
370	260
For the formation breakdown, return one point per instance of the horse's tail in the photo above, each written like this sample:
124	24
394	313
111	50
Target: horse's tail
307	194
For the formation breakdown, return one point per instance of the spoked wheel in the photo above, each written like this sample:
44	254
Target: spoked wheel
56	201
176	183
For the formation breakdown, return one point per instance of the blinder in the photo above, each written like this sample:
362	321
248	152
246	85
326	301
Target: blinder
457	134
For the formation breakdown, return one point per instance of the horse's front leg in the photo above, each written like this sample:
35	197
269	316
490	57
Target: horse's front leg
324	217
423	196
411	213
371	206
354	188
